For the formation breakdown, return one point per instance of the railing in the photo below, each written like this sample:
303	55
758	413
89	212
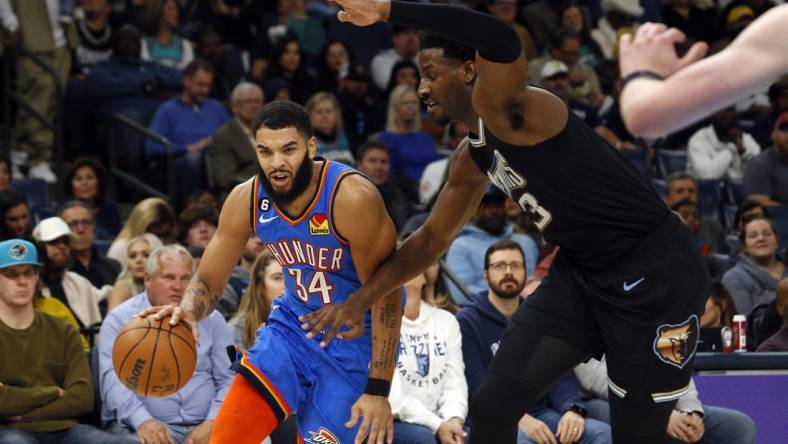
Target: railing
169	158
10	95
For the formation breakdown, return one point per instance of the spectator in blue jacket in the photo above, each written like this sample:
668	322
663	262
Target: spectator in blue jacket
560	413
466	254
188	122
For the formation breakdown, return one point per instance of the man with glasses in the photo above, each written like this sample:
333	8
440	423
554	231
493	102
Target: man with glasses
465	257
45	381
766	176
560	414
85	259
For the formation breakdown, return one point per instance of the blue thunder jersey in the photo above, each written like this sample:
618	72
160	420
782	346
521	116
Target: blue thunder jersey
316	261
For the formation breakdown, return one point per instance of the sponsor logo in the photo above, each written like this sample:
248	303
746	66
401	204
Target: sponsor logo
318	225
675	344
134	380
628	286
17	251
323	436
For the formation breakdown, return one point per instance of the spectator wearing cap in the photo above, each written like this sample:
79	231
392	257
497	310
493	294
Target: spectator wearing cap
566	47
374	160
232	150
406	46
188	122
70	288
45	381
721	150
619	17
465	257
361	113
85	259
735	19
778	342
766	176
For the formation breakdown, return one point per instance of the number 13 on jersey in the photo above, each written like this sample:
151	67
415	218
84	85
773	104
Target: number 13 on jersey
318	285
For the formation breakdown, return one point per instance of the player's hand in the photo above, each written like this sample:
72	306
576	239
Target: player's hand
363	12
537	430
177	313
154	432
378	422
200	434
451	432
652	49
329	319
570	427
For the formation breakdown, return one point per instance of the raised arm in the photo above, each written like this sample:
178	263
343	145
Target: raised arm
455	204
692	91
372	237
220	256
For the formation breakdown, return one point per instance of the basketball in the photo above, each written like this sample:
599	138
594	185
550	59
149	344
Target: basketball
153	358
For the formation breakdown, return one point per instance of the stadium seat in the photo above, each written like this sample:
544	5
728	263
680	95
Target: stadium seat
671	161
41	212
709	197
735	192
660	187
733	242
780	217
639	158
35	191
729	214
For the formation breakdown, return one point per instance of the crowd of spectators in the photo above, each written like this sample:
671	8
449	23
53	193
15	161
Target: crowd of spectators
93	249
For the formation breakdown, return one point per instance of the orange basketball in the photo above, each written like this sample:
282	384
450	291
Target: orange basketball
153	358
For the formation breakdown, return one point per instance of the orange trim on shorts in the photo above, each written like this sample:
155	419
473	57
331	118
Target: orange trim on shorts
280	400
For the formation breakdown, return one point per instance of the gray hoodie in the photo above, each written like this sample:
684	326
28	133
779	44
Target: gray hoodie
750	285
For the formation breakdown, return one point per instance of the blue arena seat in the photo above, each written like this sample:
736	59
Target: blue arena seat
35	191
671	161
639	158
709	197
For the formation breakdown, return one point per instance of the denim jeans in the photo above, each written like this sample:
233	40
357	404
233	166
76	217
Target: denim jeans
79	434
178	432
594	431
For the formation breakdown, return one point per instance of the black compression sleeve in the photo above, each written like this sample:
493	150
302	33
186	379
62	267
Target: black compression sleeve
495	40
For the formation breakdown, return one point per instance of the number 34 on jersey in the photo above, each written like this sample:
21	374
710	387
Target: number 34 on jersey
308	267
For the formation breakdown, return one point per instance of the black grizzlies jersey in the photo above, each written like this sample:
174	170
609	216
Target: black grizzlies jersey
582	194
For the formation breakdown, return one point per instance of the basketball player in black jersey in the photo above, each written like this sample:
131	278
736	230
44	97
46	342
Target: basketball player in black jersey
628	281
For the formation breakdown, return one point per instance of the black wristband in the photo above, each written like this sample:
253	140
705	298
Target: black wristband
377	387
638	74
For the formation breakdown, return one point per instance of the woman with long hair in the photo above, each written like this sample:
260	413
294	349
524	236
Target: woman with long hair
574	17
429	394
411	148
131	280
86	181
719	308
404	72
15	218
151	215
333	64
266	283
326	117
288	63
161	43
753	280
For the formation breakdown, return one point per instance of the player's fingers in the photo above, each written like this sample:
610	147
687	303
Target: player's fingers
390	430
330	334
147	312
624	41
354	413
550	437
695	53
318	324
672	35
363	431
654	30
355	331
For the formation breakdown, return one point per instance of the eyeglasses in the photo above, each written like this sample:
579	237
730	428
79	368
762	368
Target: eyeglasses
30	273
78	222
502	266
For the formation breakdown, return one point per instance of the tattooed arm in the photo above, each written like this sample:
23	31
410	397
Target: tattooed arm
372	237
217	263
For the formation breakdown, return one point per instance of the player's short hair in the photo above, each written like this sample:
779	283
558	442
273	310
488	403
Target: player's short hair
369	145
452	49
504	244
282	114
197	65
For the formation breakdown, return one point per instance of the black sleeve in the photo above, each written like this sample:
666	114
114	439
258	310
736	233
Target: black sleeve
495	40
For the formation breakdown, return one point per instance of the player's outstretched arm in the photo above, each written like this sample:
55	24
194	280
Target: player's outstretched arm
220	256
692	91
456	203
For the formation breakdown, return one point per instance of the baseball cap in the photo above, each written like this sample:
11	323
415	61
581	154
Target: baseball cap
15	252
50	229
553	68
629	7
782	121
739	12
358	72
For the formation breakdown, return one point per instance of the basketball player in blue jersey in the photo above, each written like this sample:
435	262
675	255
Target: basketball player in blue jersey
628	280
327	226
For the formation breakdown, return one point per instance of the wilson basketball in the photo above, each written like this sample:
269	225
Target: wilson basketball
153	358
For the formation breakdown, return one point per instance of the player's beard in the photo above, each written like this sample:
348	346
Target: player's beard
507	293
301	181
